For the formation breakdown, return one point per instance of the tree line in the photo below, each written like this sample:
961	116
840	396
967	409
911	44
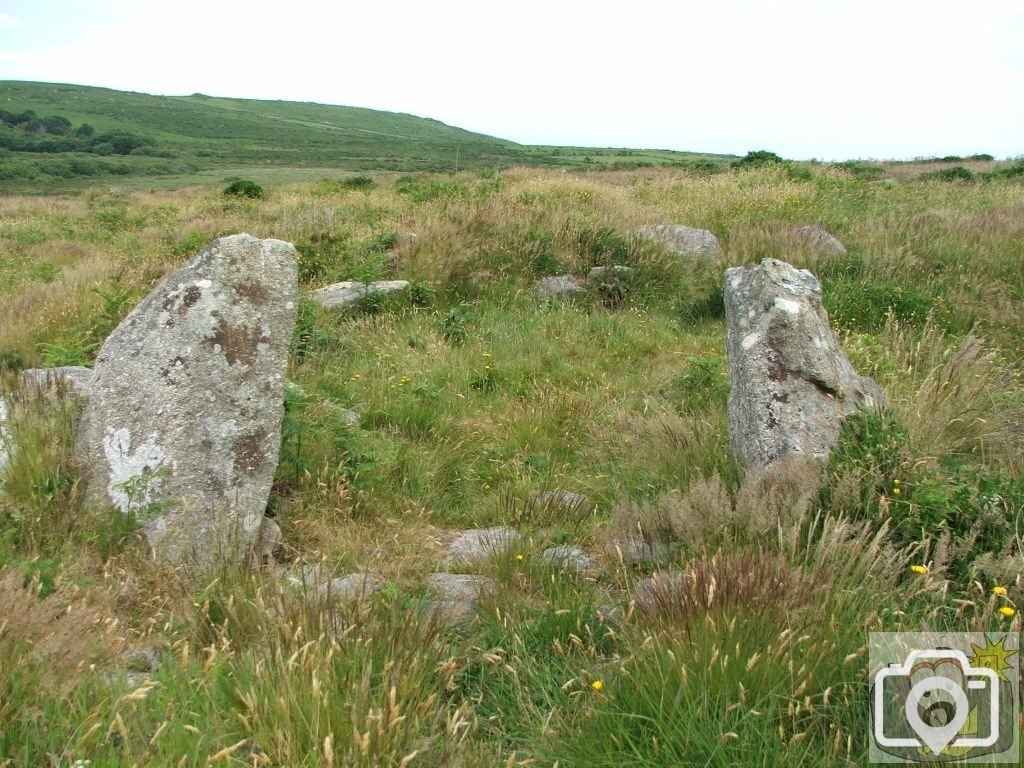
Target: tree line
27	132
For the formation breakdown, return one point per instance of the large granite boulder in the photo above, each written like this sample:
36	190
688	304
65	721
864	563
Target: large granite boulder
683	240
182	425
791	383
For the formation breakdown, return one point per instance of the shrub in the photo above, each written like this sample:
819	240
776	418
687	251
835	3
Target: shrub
956	173
757	159
244	188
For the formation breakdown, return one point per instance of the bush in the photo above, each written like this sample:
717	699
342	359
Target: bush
244	188
956	173
757	159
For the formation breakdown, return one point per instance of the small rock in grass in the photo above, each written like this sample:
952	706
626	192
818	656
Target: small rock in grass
557	287
350	292
477	544
458	594
571	558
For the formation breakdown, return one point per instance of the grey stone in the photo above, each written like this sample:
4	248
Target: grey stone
557	287
351	292
559	498
140	660
268	541
791	383
458	593
818	240
684	240
477	544
655	594
317	580
349	417
75	380
637	549
5	440
355	586
182	425
572	558
604	274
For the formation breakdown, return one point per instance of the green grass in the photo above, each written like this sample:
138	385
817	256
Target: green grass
472	394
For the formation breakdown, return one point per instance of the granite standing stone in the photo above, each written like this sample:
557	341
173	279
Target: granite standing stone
182	425
791	383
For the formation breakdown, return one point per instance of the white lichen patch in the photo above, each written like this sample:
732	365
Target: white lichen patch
133	476
790	307
750	340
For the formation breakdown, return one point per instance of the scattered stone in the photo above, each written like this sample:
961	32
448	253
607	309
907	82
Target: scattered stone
348	417
635	549
477	544
683	240
346	294
182	425
139	660
458	594
355	586
655	594
572	558
268	541
5	439
75	380
791	383
609	616
317	580
818	240
558	498
605	274
557	287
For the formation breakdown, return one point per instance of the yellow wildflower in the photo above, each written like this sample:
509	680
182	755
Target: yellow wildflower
597	685
1000	591
520	558
1007	612
919	569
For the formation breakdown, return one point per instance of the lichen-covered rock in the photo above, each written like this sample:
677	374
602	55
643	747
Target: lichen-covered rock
571	558
475	544
557	287
458	594
791	383
606	273
687	241
74	380
818	240
182	425
351	292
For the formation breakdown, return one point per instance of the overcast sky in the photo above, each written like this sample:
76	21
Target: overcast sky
831	79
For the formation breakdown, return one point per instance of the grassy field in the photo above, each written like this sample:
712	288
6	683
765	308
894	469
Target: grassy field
473	394
204	135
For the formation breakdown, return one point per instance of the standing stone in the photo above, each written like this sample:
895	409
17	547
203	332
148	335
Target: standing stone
686	241
182	426
791	383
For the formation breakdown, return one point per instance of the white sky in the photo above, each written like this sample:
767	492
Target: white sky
832	79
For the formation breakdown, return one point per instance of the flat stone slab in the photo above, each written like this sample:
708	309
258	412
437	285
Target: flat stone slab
686	241
75	379
182	425
571	558
351	292
476	544
557	287
458	593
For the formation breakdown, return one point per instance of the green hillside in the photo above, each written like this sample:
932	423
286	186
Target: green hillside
175	135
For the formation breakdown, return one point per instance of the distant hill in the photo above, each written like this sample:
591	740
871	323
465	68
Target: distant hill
126	133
